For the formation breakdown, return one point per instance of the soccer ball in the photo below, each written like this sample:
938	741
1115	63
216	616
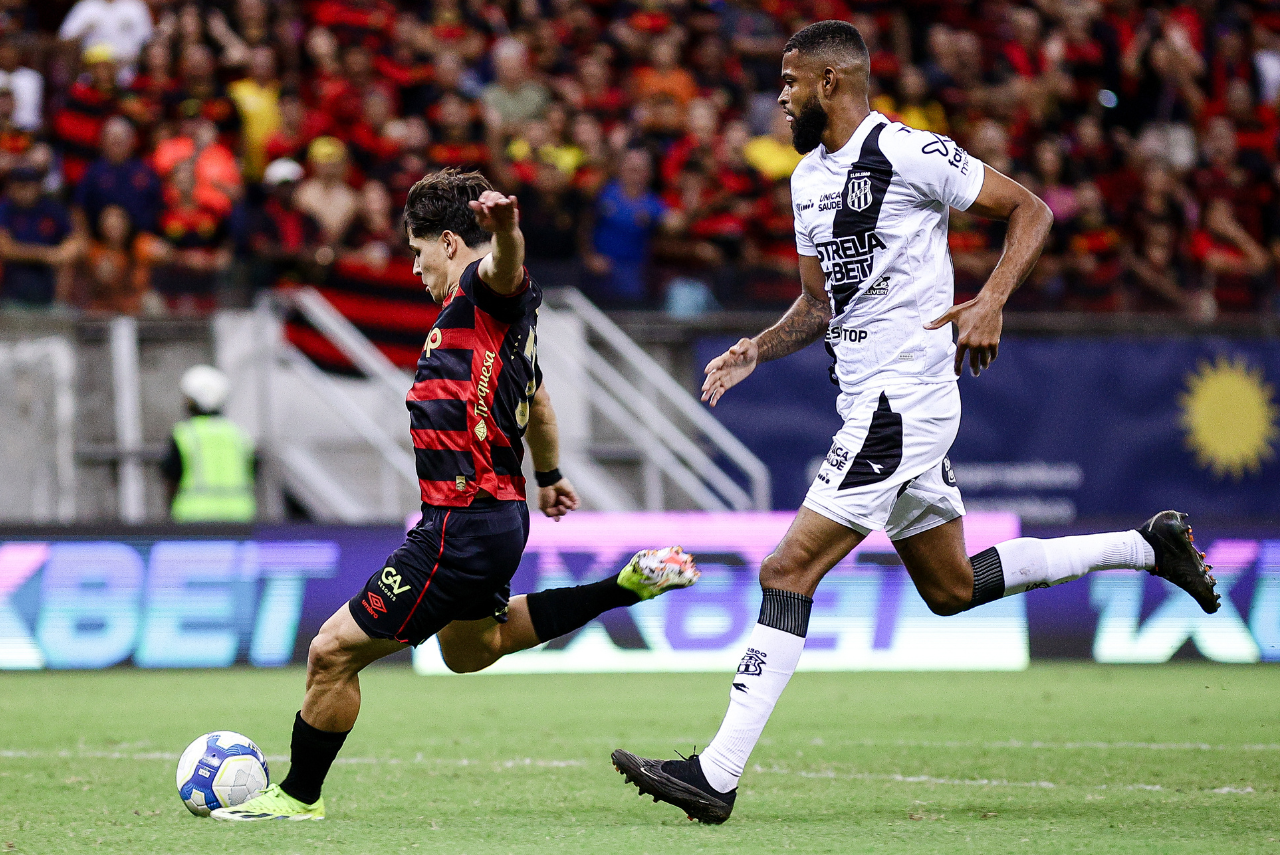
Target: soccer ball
220	769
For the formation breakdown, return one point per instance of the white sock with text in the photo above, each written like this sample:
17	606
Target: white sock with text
771	658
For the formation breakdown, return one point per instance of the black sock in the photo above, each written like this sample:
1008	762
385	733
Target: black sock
311	753
988	578
561	610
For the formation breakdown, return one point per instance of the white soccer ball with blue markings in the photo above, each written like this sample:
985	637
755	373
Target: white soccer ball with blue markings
220	769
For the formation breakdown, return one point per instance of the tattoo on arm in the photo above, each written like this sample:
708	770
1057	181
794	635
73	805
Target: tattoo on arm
803	324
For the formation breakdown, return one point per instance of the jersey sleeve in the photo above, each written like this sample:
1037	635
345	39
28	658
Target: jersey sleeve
804	243
507	308
936	167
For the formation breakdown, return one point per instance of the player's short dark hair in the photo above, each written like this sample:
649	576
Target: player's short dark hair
438	203
831	38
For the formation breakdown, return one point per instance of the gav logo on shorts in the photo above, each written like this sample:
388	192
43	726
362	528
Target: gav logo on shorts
857	190
390	582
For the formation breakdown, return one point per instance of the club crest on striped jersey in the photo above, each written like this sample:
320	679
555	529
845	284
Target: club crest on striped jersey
857	190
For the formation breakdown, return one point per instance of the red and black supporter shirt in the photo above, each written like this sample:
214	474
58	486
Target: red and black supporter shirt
469	404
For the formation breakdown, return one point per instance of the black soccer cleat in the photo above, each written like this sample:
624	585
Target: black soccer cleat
1177	558
676	782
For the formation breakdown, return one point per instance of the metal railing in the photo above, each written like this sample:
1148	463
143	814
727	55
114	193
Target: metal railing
670	431
303	469
634	393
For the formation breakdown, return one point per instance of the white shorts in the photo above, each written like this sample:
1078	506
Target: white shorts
888	467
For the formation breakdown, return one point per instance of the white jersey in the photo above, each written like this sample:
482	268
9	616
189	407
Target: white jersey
875	214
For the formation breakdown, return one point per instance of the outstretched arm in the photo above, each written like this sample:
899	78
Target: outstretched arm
503	268
979	320
802	325
543	437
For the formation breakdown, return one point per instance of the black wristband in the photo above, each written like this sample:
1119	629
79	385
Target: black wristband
549	478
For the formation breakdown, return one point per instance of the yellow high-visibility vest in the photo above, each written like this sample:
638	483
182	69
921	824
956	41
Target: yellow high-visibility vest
217	472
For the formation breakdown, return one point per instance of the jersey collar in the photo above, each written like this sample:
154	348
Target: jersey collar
851	150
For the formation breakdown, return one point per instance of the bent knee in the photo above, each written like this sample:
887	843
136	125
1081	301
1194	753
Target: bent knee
326	655
781	571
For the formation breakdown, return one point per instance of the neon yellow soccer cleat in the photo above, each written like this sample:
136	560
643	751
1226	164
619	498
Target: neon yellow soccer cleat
653	571
274	803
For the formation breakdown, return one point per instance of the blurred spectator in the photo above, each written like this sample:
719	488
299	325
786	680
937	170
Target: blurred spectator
37	245
1049	179
119	264
770	251
285	241
119	178
774	155
14	141
1094	262
217	175
1226	173
91	100
199	95
627	216
144	101
514	96
122	25
372	233
1157	282
913	106
326	196
26	84
594	92
718	73
551	209
1231	262
1136	122
298	127
664	75
257	97
755	37
457	136
371	145
197	235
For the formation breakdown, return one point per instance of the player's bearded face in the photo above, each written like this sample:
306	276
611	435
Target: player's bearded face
808	125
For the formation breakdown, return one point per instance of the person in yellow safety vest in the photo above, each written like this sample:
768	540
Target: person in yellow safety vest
210	464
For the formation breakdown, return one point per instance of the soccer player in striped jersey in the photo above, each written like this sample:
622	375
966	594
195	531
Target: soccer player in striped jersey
476	398
871	200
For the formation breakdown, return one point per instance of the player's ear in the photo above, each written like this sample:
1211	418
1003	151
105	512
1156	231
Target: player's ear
829	77
449	241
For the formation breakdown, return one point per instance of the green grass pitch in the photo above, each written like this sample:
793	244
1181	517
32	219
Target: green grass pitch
1062	758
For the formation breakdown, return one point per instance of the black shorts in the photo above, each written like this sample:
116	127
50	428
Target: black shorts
456	564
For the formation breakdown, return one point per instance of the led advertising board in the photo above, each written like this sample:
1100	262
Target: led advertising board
184	597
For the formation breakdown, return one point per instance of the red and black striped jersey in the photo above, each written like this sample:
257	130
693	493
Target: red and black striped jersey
469	404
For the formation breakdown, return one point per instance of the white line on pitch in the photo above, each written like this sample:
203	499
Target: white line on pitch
980	782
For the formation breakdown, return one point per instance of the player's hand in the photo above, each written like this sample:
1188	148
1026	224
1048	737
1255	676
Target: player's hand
496	212
978	323
558	499
729	369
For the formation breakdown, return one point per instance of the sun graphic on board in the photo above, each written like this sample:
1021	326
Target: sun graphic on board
1229	417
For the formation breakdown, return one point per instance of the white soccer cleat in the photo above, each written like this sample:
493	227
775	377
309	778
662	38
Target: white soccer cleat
651	572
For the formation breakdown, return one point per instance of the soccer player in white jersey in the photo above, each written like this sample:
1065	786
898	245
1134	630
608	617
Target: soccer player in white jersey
871	203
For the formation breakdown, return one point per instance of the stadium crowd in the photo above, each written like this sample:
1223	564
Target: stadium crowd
169	157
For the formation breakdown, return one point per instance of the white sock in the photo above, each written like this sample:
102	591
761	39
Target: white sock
771	658
1027	562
